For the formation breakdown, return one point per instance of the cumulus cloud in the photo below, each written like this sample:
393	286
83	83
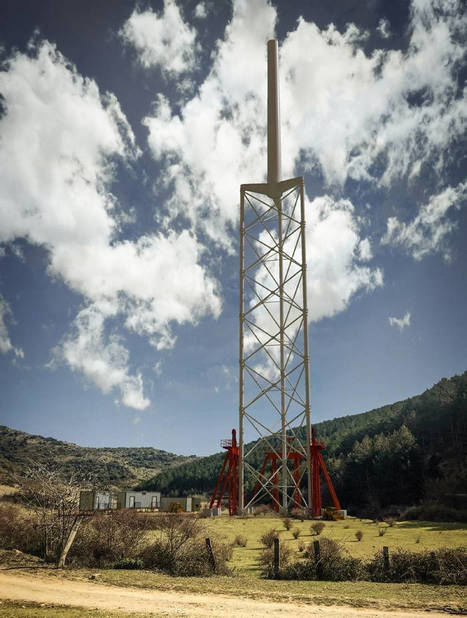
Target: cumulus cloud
162	39
428	231
384	28
5	343
200	10
400	323
375	117
60	138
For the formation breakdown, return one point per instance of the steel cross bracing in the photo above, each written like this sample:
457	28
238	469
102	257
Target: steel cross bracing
274	373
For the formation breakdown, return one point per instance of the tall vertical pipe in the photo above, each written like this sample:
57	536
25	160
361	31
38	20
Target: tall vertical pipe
274	129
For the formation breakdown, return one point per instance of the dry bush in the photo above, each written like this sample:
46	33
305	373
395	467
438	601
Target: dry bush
240	540
359	535
381	531
107	538
180	548
317	527
296	533
301	546
443	566
262	510
390	521
266	559
333	564
300	514
21	530
267	539
287	523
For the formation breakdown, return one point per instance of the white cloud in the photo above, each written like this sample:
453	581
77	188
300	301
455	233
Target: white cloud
400	323
103	362
336	256
343	111
428	231
384	28
161	39
5	342
60	136
200	10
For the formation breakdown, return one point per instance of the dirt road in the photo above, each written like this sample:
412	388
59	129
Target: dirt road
24	587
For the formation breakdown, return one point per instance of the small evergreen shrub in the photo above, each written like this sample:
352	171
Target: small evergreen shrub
129	564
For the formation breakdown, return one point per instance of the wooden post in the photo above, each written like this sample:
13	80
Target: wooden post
317	552
277	558
386	559
211	556
69	542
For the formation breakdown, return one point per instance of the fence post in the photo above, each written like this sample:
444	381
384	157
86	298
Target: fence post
277	558
317	552
212	559
386	559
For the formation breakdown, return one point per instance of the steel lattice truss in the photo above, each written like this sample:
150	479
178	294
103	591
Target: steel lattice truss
274	376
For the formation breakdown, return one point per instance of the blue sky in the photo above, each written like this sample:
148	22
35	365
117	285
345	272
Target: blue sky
125	132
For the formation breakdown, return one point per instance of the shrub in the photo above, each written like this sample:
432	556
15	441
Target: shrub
381	531
296	533
300	514
287	522
21	530
317	527
359	535
267	539
262	509
332	565
266	560
175	507
390	521
301	546
240	540
129	564
417	539
434	512
180	548
443	566
107	538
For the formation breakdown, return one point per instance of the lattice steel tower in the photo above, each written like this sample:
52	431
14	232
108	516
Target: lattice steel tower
274	386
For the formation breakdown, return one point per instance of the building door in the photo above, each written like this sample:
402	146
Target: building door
132	502
154	502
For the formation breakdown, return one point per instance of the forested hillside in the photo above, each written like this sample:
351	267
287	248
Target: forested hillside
396	454
103	466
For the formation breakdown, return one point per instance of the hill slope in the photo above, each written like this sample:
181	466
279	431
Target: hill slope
107	466
396	454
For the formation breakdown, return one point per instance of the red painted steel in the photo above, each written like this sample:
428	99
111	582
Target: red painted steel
227	481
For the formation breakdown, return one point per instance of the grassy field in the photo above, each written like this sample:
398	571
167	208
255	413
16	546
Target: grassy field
353	594
11	609
415	536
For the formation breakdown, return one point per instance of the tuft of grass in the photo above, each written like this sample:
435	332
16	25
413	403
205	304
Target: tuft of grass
287	523
296	533
359	535
381	531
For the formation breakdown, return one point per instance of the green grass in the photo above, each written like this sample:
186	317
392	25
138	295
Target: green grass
23	609
401	534
354	594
